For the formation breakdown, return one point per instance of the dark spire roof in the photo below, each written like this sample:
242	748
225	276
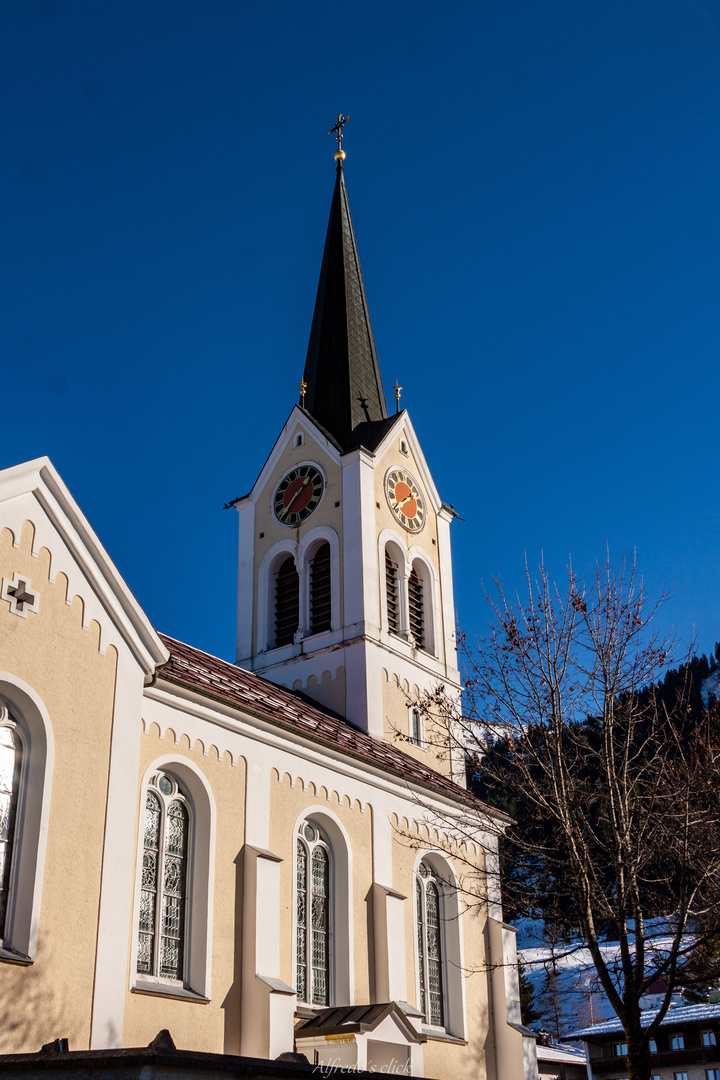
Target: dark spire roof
344	385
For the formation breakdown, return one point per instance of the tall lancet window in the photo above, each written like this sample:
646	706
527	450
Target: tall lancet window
392	592
313	916
287	602
320	591
10	764
416	611
161	940
428	902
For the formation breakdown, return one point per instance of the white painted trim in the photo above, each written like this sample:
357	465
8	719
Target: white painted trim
266	591
447	627
246	588
297	418
201	871
419	458
40	479
33	810
118	857
251	736
342	978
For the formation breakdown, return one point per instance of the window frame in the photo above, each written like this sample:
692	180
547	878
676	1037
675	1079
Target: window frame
342	979
31	722
303	554
197	976
455	1013
321	842
166	801
423	884
416	727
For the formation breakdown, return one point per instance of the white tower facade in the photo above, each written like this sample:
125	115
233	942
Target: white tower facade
345	573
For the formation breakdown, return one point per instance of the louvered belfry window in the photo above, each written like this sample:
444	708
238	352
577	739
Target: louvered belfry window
10	763
161	938
392	588
320	591
416	615
429	946
313	917
287	602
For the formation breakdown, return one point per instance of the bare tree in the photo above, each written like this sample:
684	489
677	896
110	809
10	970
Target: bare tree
612	777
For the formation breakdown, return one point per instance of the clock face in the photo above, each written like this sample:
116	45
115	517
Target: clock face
298	494
405	499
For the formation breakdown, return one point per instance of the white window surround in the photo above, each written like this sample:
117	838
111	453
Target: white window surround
32	724
303	554
416	714
452	951
200	882
406	558
341	920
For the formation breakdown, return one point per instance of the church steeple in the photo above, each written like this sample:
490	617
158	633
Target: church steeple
342	373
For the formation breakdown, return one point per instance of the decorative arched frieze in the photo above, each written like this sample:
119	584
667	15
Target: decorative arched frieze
194	743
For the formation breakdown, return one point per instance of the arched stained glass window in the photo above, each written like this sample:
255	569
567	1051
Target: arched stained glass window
161	934
10	763
429	945
313	916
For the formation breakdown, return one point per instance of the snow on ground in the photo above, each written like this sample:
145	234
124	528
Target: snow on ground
564	978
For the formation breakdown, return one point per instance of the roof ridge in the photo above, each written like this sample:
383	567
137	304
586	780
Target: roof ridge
269	701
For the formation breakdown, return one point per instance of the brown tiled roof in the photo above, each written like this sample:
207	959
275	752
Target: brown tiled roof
223	681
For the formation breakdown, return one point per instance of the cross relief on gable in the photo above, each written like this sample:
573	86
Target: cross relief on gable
20	595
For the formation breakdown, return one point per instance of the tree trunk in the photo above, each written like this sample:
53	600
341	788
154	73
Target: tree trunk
638	1056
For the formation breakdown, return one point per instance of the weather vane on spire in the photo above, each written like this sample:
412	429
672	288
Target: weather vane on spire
337	131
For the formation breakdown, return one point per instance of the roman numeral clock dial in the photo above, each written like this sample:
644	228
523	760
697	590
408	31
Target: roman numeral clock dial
405	499
298	494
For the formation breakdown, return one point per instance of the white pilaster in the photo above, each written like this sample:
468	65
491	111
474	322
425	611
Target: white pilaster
117	866
246	584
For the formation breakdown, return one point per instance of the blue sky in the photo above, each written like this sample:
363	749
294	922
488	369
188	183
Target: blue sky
535	191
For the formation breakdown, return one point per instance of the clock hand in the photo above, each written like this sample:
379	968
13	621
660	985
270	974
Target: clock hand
398	505
304	484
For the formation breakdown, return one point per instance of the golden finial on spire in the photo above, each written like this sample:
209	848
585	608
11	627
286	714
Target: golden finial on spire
398	390
303	391
337	131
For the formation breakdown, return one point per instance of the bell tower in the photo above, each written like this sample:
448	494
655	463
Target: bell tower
345	576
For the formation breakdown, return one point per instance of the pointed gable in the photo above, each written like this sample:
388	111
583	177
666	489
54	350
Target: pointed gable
344	385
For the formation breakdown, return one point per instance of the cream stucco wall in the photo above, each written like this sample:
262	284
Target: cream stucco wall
215	1026
476	1058
52	653
287	802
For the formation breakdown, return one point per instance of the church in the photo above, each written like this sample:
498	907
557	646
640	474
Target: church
257	856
